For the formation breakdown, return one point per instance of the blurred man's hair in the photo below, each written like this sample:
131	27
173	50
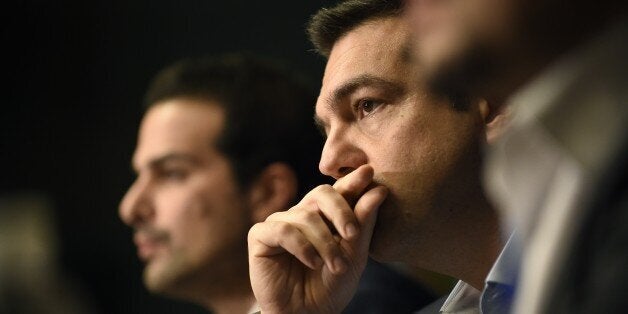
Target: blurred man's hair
268	112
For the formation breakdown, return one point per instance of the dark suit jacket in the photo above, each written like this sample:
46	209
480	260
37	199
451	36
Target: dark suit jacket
384	290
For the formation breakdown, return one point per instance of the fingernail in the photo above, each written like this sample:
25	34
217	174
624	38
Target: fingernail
351	230
339	265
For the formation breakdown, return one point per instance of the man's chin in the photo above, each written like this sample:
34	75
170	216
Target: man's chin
396	227
384	246
160	278
153	279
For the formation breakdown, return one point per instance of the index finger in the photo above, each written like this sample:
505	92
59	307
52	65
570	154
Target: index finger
353	185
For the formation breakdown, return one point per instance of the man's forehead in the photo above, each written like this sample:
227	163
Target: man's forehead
176	129
149	154
373	52
376	48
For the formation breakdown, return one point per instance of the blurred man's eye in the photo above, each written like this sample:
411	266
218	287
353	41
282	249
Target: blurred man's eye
173	174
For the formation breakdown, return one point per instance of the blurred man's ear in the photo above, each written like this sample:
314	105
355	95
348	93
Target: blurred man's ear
274	190
496	118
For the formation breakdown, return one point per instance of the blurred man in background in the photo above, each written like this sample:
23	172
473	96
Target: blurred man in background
224	143
559	173
220	147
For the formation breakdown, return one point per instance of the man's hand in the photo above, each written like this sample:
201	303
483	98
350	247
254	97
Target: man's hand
309	259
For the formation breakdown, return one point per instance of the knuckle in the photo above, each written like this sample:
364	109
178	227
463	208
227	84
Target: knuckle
309	217
284	229
306	249
331	246
252	232
323	191
274	216
255	234
323	188
351	185
295	209
303	244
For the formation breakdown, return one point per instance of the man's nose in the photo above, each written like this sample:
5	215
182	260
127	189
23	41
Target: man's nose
341	155
136	206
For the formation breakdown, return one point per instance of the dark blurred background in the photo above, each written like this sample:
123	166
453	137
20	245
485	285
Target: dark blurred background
74	76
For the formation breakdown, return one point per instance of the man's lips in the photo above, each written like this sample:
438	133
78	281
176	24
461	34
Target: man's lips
148	244
145	249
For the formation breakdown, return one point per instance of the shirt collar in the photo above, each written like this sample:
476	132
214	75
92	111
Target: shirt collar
506	267
462	298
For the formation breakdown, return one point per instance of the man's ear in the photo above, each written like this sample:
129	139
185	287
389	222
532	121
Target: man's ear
273	190
496	119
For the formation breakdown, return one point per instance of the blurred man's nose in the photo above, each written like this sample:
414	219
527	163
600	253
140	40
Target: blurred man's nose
136	206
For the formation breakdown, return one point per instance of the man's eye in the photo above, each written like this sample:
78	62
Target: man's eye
366	106
173	174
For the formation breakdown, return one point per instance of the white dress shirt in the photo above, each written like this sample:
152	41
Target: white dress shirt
465	299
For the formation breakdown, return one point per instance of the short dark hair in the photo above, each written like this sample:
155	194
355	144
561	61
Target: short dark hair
328	25
268	111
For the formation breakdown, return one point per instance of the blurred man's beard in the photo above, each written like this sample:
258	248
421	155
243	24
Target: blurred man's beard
166	274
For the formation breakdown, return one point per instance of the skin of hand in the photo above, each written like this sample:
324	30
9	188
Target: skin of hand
309	259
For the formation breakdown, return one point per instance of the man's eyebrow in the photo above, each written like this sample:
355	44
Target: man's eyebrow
364	80
171	157
405	53
350	86
320	125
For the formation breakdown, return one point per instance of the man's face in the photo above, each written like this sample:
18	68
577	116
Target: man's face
375	110
185	206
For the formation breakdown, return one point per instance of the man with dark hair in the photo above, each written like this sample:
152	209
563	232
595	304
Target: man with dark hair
559	172
224	143
407	165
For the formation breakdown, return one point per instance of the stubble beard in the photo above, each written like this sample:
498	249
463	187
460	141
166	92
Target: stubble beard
397	219
166	275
